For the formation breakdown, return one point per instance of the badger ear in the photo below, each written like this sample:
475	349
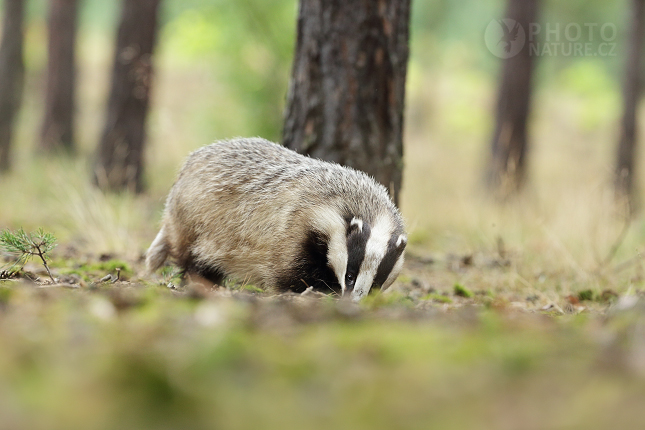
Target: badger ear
356	224
401	241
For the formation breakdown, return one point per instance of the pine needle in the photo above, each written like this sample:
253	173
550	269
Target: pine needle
26	245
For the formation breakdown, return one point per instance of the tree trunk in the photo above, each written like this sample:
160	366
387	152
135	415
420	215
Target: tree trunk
58	124
12	74
119	164
625	173
507	167
346	97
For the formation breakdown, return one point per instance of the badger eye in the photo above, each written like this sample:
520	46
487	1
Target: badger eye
350	278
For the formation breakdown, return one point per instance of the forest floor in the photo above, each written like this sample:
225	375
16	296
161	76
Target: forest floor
460	342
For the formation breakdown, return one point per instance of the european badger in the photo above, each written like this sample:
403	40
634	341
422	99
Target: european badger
256	211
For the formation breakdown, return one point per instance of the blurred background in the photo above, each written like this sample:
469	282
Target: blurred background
222	69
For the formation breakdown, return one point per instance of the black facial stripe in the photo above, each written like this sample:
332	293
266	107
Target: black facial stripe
356	243
388	262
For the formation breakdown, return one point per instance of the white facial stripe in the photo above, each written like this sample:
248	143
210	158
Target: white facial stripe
374	252
359	288
393	274
357	222
337	256
329	222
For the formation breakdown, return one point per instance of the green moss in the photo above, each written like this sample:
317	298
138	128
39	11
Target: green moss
96	270
586	295
84	275
462	291
111	266
437	298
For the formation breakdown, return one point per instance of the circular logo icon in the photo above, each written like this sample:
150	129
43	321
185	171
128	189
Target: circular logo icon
505	38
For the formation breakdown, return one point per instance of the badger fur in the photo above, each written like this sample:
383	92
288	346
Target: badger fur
256	211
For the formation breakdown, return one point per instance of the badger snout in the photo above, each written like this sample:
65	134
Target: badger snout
356	295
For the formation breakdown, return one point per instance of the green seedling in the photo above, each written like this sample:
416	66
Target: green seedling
27	245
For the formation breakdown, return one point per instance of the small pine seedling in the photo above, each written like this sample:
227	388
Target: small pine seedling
27	245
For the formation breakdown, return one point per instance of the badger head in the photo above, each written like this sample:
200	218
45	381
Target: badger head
364	255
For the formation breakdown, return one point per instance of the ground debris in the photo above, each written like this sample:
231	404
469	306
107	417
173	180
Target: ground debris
311	292
108	278
6	275
552	307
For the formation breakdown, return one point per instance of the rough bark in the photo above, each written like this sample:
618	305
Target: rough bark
57	132
119	163
626	155
346	97
12	72
509	147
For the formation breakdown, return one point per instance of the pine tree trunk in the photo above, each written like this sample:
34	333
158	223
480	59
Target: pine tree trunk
12	73
624	175
58	124
119	164
346	97
509	147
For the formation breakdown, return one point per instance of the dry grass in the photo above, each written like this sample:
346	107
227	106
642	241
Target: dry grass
566	228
